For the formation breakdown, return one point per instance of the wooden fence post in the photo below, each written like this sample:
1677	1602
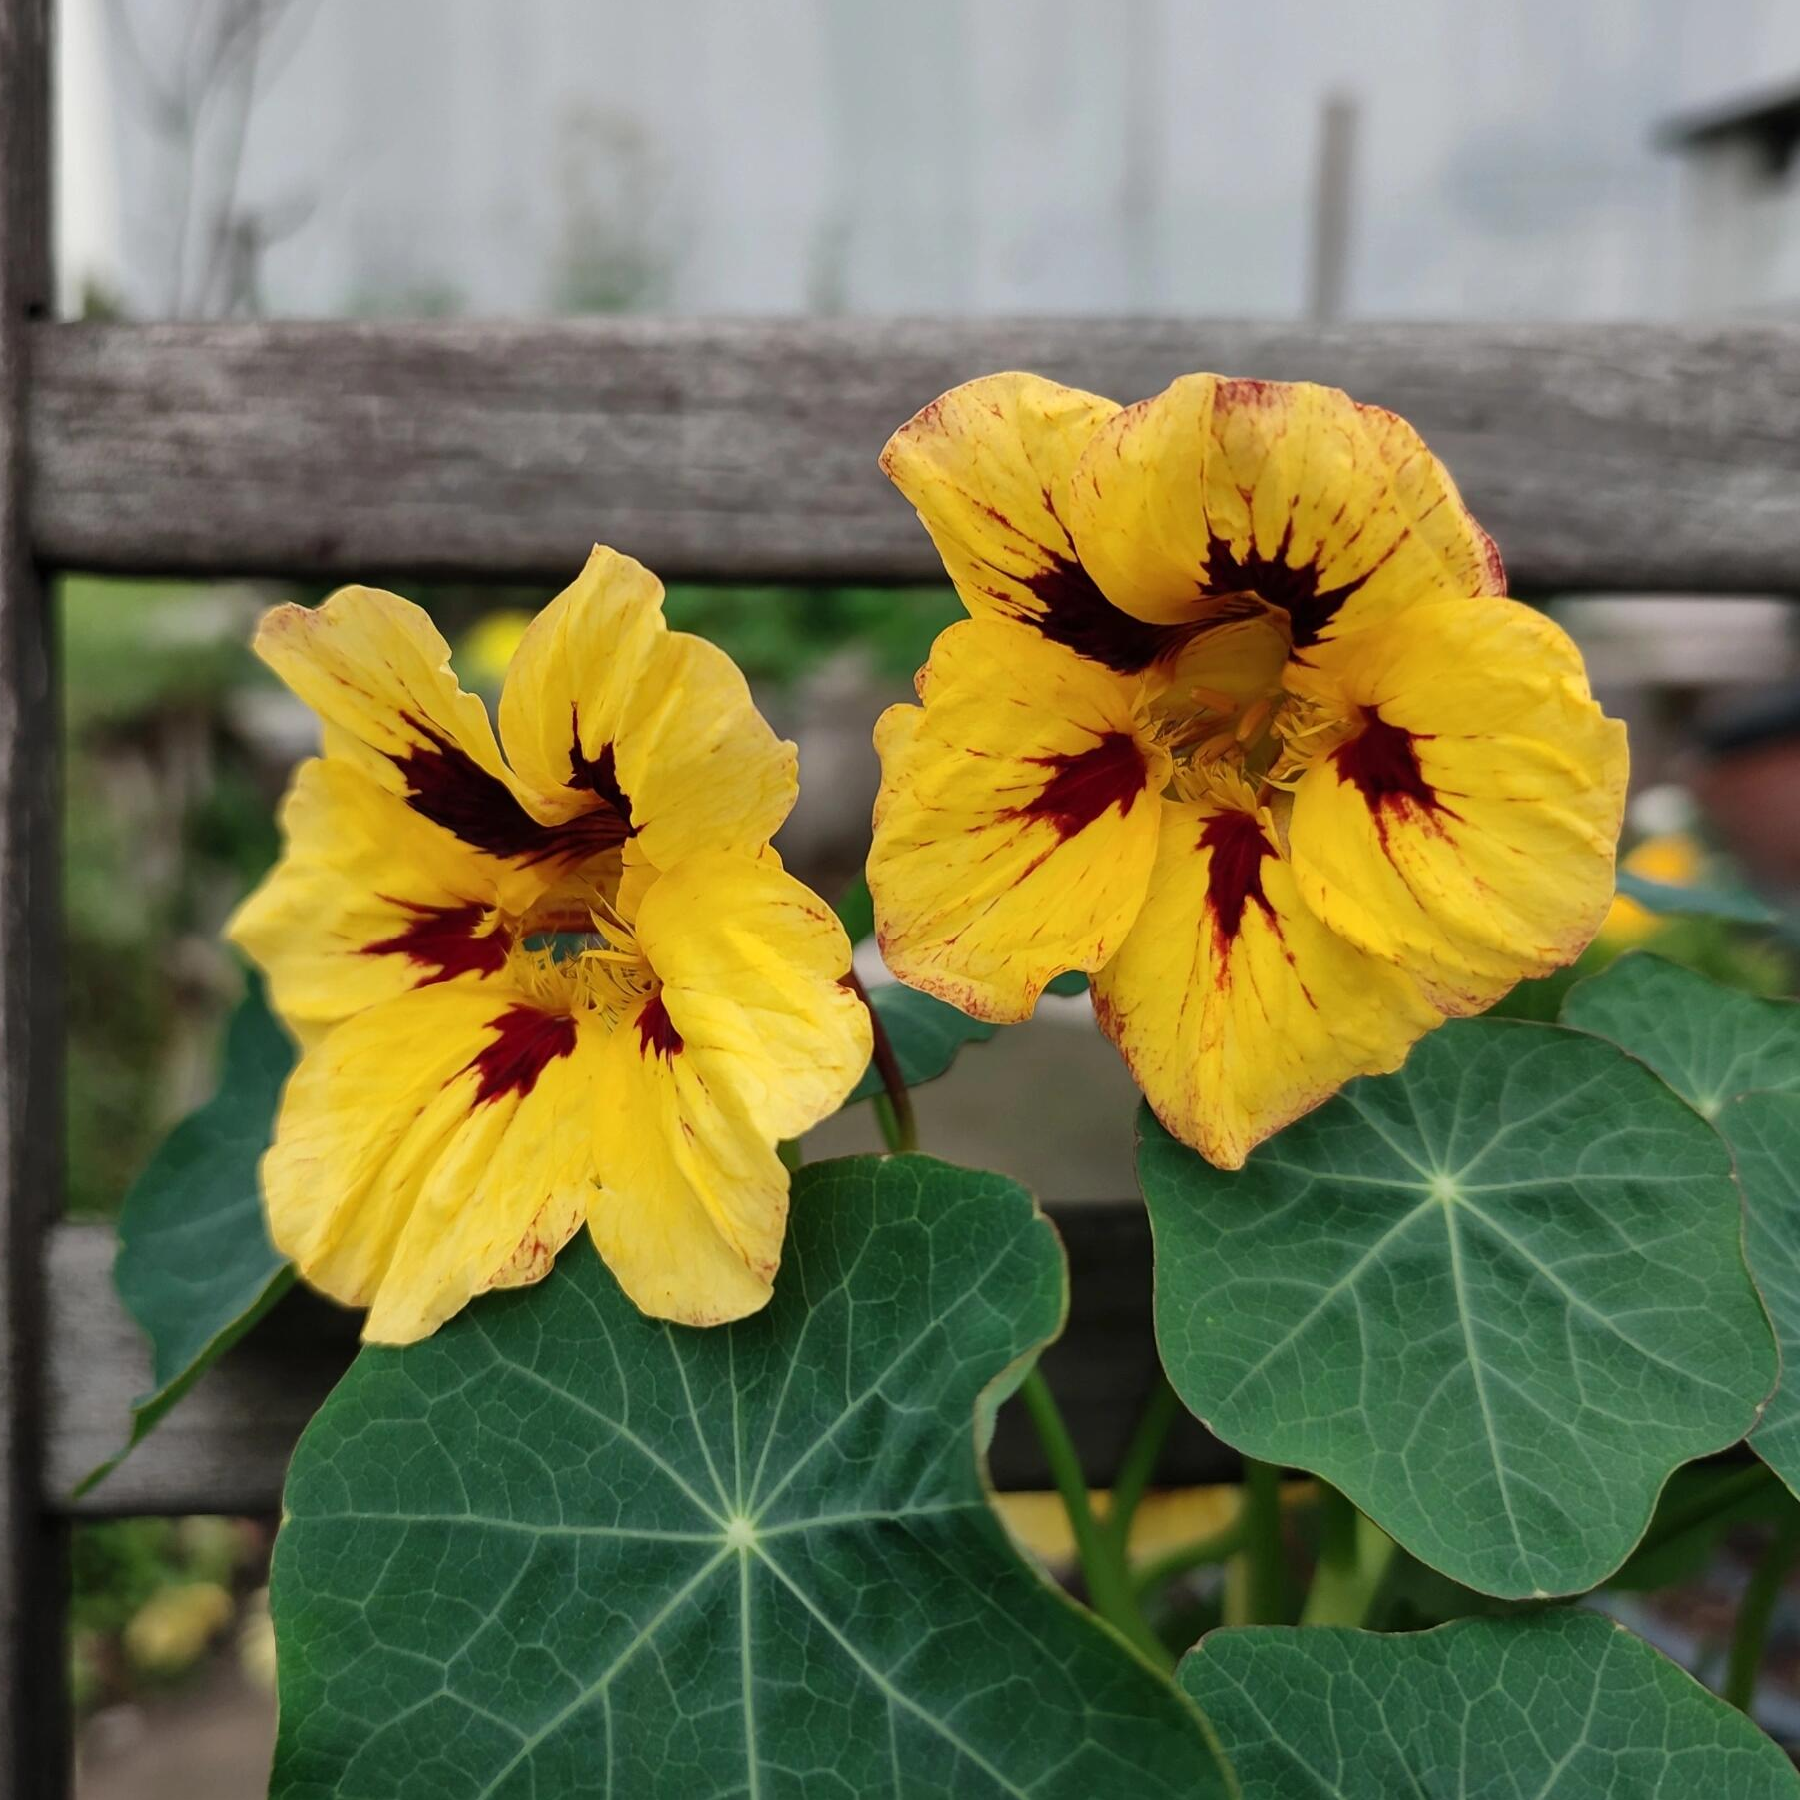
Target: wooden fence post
33	1568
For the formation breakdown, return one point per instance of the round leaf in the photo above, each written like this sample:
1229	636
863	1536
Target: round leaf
1560	1703
1495	1298
1707	1042
1763	1131
560	1548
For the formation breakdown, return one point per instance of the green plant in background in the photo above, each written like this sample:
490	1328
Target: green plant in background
163	805
148	1597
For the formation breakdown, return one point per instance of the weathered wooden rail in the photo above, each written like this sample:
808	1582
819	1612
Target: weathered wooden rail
1602	457
1599	456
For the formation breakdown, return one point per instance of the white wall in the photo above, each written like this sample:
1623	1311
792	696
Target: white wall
520	156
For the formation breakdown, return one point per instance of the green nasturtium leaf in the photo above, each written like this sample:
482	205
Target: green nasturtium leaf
195	1266
1707	1042
1763	1131
560	1548
1563	1705
1737	906
926	1035
1495	1298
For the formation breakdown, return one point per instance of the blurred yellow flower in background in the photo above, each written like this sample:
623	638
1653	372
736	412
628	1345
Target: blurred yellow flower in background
490	644
1672	858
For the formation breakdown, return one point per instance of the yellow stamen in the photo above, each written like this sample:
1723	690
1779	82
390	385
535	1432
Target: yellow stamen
1254	718
1214	699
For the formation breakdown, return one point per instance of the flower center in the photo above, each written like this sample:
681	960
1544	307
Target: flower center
600	971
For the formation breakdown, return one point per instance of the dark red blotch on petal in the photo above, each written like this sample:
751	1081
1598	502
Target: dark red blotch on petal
1084	784
1294	588
656	1031
1234	874
1382	763
1081	618
447	786
447	940
597	775
526	1041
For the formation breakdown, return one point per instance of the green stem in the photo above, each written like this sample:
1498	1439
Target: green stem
1201	1553
888	1123
893	1106
1256	1586
1756	1609
1102	1566
792	1156
1139	1463
1354	1553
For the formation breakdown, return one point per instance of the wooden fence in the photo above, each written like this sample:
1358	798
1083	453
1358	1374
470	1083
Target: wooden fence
1644	457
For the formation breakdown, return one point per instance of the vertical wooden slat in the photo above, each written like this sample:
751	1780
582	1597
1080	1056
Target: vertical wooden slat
33	1589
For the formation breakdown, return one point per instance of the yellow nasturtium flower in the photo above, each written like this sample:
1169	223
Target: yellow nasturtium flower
1672	858
1241	723
568	984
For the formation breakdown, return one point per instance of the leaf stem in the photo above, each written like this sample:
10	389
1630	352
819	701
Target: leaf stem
898	1126
1102	1563
1354	1553
1138	1464
1256	1588
1756	1609
1202	1552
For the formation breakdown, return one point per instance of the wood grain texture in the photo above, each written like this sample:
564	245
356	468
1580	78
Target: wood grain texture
1636	456
33	1570
225	1447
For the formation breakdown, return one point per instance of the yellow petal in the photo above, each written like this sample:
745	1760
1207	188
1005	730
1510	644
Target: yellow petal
692	1205
377	672
1467	829
368	901
1017	820
1333	511
432	1147
605	708
1234	1008
988	466
752	964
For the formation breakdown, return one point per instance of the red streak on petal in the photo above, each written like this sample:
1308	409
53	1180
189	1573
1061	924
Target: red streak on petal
656	1031
1083	785
526	1041
447	786
1382	763
446	940
1234	874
